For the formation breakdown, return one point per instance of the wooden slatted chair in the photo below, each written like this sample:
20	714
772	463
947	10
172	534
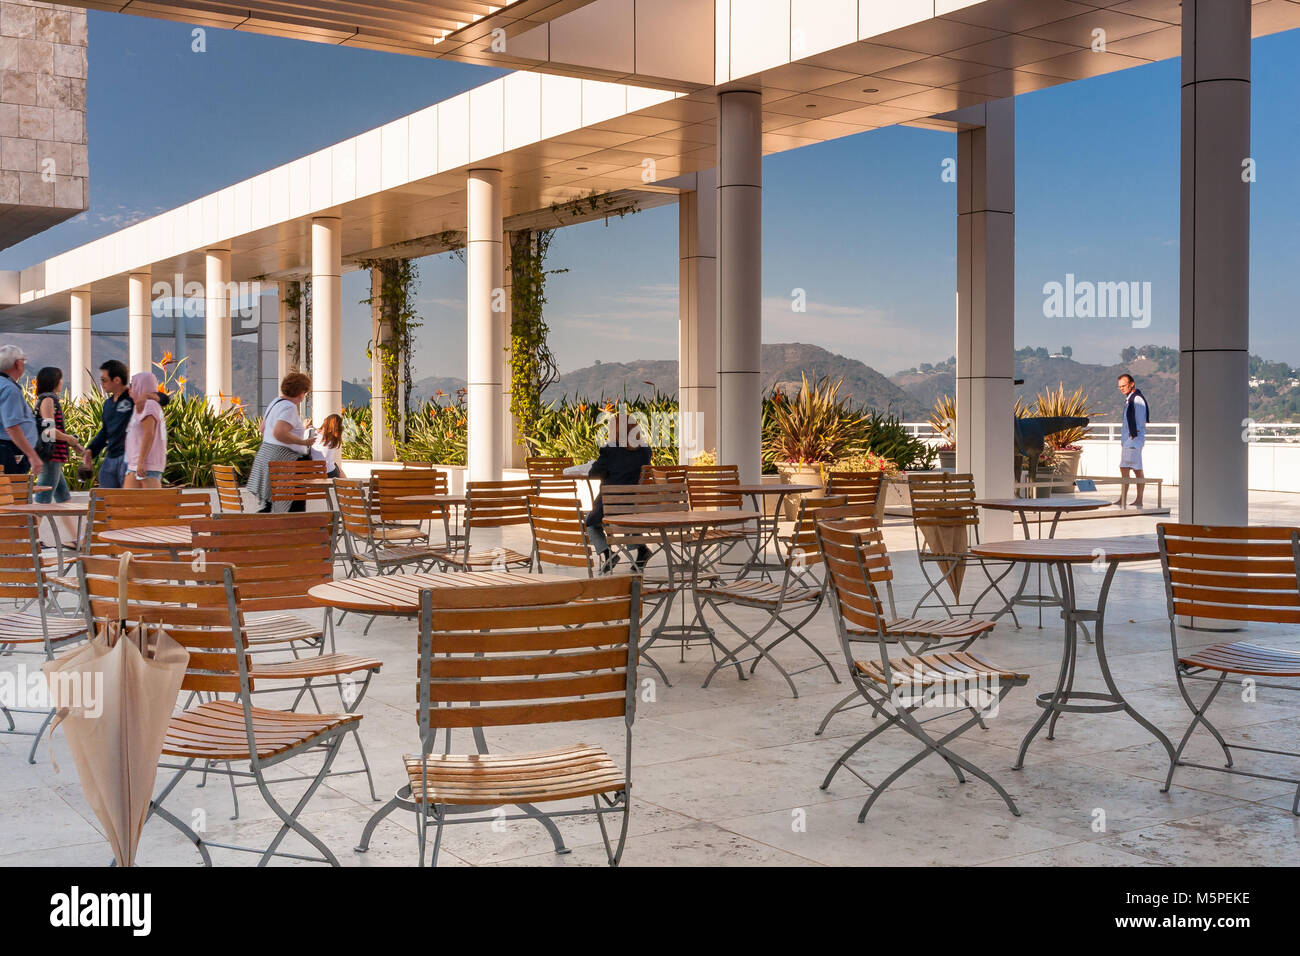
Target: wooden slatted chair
34	626
912	635
1243	576
201	610
115	508
548	478
946	524
896	686
524	655
277	559
559	534
364	547
289	488
401	521
859	487
547	466
493	504
229	497
635	499
16	489
791	603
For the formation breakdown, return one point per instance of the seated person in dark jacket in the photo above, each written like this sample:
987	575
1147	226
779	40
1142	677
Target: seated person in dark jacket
619	463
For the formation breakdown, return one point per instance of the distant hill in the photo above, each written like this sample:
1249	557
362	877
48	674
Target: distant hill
782	365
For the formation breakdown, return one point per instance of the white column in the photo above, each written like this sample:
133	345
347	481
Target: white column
740	281
139	322
697	322
986	259
381	332
216	310
484	258
289	344
1214	263
80	379
326	317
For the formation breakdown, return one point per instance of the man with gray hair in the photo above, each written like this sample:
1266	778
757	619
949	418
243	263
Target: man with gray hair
18	442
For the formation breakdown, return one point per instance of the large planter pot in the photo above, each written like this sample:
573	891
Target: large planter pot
792	474
1067	467
948	459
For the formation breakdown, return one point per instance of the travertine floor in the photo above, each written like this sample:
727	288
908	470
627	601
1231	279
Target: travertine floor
730	774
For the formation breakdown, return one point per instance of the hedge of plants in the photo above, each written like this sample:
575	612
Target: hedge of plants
200	437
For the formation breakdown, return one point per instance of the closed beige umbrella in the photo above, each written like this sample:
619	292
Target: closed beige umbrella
114	697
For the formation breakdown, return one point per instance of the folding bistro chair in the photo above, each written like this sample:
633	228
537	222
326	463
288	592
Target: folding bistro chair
946	524
559	534
859	487
367	544
201	610
790	603
507	656
34	626
912	635
401	520
953	683
111	509
229	497
290	488
493	504
277	560
1241	575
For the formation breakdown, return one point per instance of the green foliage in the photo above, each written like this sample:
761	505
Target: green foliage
884	435
399	280
577	427
356	432
813	427
438	432
532	364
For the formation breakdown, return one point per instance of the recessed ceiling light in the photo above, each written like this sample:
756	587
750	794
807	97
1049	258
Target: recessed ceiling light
810	106
582	169
870	89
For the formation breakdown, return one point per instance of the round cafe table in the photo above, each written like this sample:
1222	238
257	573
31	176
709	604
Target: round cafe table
1062	556
767	529
1039	507
683	535
399	595
172	538
53	510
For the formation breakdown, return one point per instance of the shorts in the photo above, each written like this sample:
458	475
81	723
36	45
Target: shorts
151	474
1130	456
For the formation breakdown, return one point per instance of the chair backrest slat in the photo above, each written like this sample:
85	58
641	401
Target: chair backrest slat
20	558
860	487
497	504
853	550
116	508
386	488
635	499
287	480
802	548
540	466
703	484
277	558
1231	573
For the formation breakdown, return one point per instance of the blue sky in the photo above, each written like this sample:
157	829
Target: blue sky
865	225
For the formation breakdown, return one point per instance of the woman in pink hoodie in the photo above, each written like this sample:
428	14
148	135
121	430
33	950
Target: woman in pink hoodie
146	435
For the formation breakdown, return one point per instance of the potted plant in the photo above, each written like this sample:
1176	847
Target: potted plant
943	420
869	461
808	432
1064	445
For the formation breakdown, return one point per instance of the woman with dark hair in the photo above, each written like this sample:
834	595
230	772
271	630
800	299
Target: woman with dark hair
329	445
52	441
283	439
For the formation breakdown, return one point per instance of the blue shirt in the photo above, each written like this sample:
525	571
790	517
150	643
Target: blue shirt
14	410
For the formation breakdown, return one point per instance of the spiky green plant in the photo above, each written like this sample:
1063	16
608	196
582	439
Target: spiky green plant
1051	403
816	425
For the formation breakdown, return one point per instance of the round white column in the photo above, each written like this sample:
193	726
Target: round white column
80	379
1214	264
139	313
326	317
740	285
217	381
484	256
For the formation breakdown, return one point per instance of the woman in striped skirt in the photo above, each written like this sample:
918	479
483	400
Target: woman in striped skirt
283	439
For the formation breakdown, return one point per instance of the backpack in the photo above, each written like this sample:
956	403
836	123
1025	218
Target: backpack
45	445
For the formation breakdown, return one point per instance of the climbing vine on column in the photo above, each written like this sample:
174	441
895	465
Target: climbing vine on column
532	364
399	279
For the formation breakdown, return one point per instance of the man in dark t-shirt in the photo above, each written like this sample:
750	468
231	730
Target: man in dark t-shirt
618	463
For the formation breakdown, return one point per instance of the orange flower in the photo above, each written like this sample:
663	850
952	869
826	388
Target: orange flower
162	389
166	360
440	393
609	406
181	381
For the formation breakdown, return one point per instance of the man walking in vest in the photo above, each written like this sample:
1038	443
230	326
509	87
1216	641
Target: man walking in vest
1133	435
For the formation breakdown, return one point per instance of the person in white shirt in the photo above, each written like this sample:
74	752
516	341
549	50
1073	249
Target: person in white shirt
283	439
1133	436
329	445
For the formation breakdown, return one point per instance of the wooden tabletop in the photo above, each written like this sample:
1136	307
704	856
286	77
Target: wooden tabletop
432	499
159	537
1071	550
680	519
770	489
49	508
400	593
1060	503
